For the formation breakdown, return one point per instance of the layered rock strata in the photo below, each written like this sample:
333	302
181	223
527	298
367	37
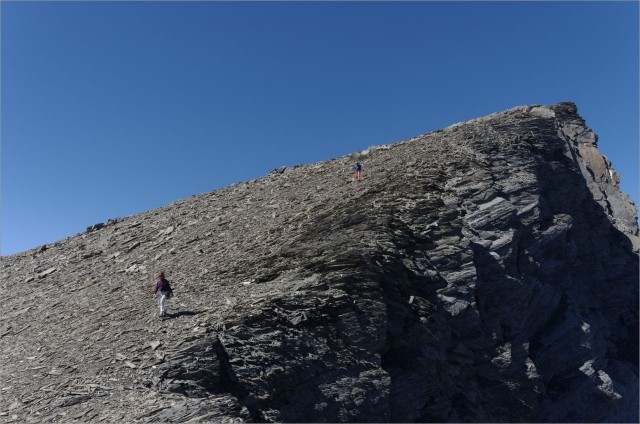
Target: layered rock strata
484	272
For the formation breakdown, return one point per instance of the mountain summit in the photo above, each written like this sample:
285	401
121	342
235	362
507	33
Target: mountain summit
484	272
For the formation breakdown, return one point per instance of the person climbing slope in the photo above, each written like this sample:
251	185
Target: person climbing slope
163	286
358	171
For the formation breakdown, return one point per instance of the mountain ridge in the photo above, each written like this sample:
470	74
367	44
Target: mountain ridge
482	272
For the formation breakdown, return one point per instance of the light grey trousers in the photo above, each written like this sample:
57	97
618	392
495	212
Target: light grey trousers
162	300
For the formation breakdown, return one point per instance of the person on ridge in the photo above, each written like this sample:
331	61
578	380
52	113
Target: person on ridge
163	286
358	170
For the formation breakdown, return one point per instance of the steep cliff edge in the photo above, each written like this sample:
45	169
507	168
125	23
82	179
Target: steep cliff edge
484	272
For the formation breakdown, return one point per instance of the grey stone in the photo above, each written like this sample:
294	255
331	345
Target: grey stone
46	272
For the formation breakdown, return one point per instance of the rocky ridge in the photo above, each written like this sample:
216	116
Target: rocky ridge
484	272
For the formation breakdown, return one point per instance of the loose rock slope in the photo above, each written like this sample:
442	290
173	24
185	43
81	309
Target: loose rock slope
484	272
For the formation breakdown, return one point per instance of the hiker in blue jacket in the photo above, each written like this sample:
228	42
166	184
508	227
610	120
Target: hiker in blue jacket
358	171
163	286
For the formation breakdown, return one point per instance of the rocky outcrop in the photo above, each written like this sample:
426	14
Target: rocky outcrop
485	272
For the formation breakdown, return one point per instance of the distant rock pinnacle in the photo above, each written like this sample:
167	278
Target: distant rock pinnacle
487	272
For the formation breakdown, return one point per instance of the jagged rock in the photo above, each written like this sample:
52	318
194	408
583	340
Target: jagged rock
95	227
485	272
72	400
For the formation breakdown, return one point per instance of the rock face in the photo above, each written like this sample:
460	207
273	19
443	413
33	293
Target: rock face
485	272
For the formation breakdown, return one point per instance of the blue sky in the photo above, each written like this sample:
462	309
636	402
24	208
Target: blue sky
113	108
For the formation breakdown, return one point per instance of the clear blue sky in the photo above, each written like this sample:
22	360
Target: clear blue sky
111	109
